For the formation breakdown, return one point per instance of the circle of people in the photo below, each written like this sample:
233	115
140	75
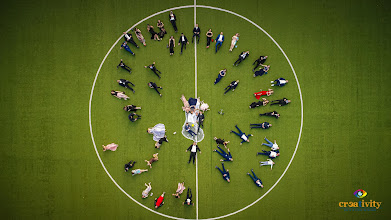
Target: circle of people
159	130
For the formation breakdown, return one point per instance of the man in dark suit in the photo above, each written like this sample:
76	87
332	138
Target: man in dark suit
196	33
124	66
242	56
193	151
183	40
153	68
153	85
128	38
172	18
125	83
273	113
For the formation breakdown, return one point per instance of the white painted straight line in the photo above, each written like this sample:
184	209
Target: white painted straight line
195	86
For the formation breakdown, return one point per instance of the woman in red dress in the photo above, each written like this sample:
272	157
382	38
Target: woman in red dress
261	93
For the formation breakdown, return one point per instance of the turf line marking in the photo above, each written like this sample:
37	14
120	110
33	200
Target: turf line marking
195	82
218	9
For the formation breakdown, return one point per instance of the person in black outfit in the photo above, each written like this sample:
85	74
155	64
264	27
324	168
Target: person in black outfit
123	66
255	104
242	56
160	142
201	118
129	108
153	85
183	40
264	125
134	117
209	36
125	83
154	35
172	19
128	38
221	141
188	200
273	113
196	33
280	102
232	86
129	165
193	151
154	70
163	31
259	61
171	45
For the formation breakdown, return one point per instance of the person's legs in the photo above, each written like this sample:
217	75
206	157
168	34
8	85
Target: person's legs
208	41
192	39
263	163
252	177
238	60
256	127
191	156
128	49
223	167
156	90
194	157
239	130
182	47
270	143
130	88
198	38
227	89
222	173
132	42
236	133
191	194
222	151
255	176
154	71
259	153
218	45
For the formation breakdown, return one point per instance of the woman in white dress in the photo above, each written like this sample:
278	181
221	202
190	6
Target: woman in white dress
112	147
145	193
235	39
181	188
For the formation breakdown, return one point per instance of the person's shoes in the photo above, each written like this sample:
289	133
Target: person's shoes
248	173
271	81
180	53
252	169
216	167
134	54
160	95
133	91
137	46
207	46
233	90
214	150
188	162
272	84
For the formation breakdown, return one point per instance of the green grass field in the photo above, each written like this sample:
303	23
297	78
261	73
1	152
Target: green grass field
51	52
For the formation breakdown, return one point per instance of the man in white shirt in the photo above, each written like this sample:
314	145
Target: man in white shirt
172	18
128	38
273	146
188	200
242	135
193	151
271	154
269	162
196	33
183	41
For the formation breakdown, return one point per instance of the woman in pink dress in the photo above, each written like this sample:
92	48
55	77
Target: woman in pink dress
112	147
261	93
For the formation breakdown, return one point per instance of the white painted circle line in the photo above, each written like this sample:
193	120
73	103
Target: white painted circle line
167	10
